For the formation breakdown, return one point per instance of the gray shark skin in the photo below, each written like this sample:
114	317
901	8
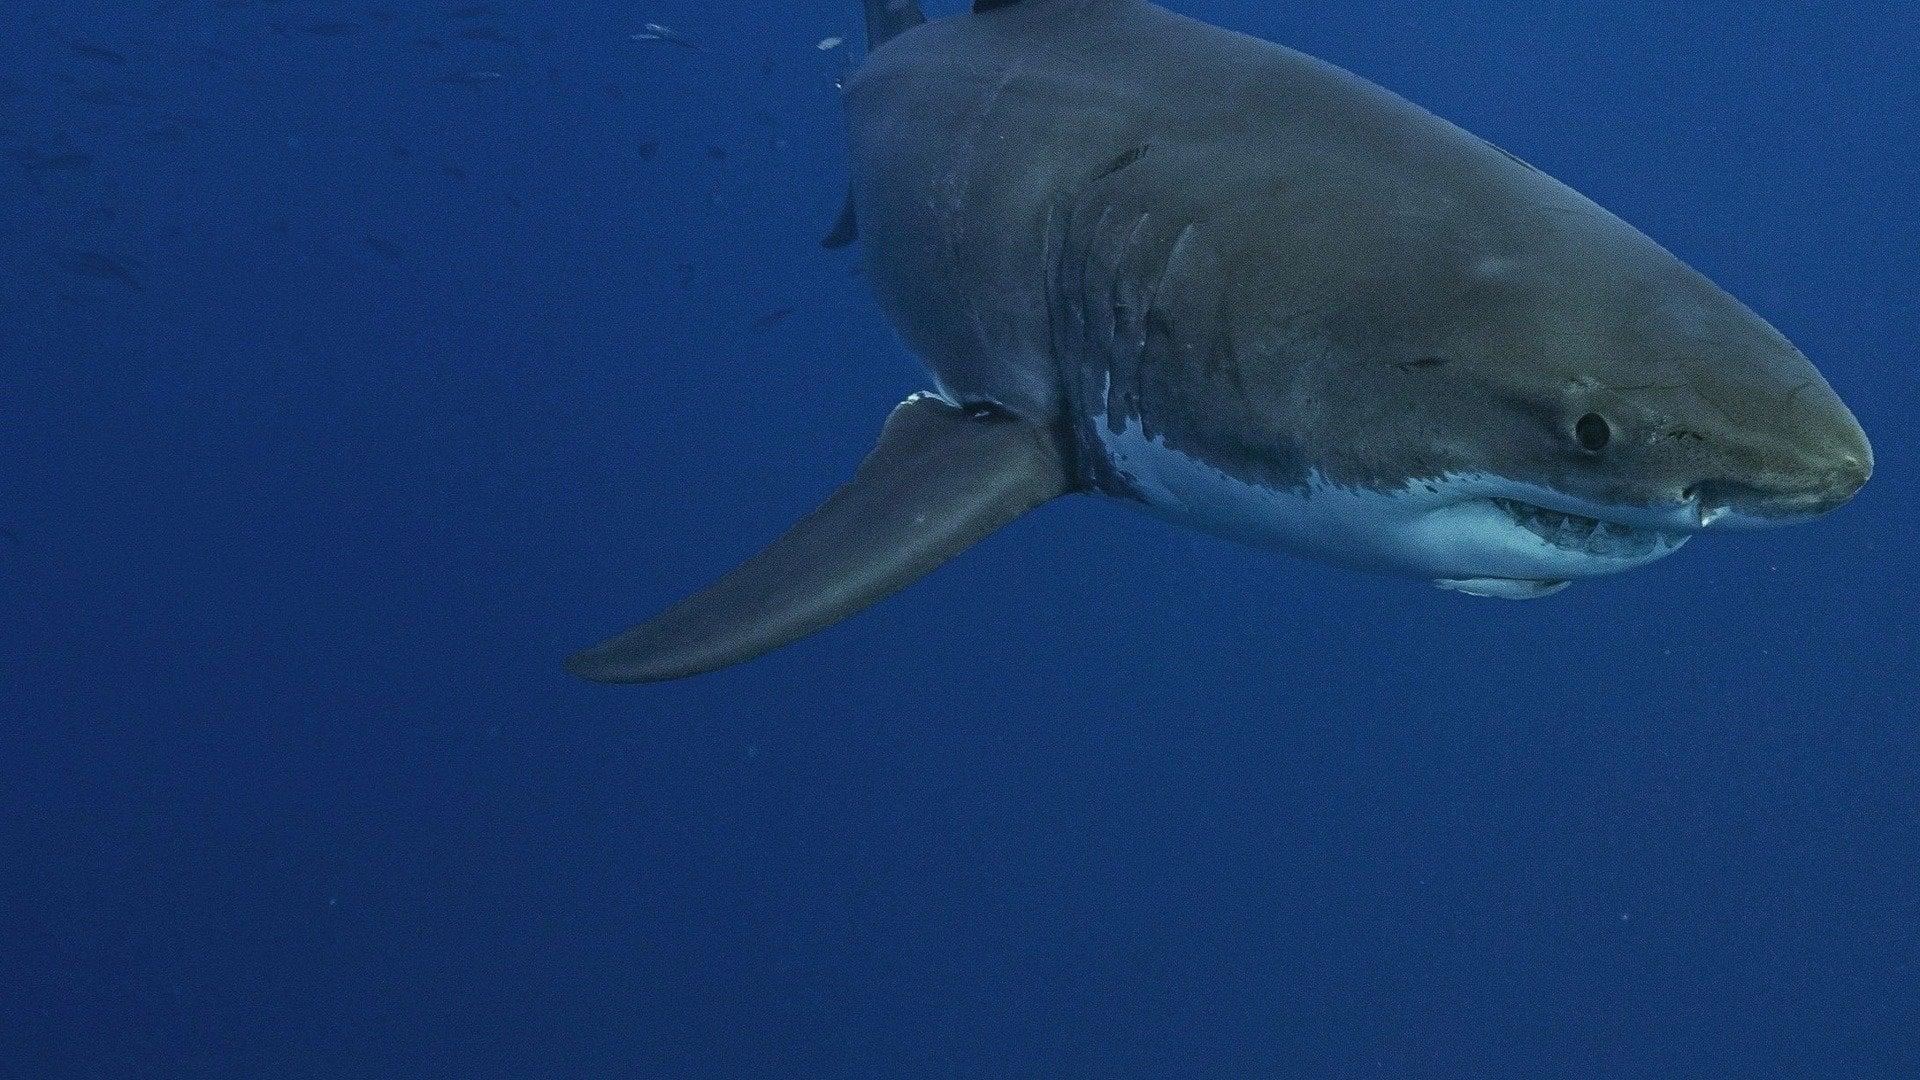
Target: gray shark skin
1258	295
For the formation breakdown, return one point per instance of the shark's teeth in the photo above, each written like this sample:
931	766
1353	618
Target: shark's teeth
1592	536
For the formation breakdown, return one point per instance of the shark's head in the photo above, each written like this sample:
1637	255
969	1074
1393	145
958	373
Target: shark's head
1501	395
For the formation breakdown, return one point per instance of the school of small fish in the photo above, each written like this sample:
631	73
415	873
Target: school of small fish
470	47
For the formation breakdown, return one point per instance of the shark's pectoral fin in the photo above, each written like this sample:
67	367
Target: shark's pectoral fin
941	479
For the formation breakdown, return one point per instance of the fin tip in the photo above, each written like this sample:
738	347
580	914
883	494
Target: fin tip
595	665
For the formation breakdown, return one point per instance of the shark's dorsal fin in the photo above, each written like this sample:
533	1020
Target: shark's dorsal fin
888	19
941	479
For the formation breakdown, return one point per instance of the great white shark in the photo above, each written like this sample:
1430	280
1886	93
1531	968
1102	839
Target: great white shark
1152	259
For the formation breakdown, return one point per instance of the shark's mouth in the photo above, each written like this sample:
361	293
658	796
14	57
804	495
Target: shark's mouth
1588	536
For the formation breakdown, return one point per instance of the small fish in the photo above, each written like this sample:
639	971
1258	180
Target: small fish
471	78
456	172
716	153
656	32
88	51
648	150
830	44
92	264
773	318
486	34
12	536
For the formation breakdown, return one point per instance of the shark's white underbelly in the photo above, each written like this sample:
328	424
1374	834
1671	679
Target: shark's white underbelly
1448	530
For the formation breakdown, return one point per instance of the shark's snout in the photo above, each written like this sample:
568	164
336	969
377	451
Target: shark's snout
1812	484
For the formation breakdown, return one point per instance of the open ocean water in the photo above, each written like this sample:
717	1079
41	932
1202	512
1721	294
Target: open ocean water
361	359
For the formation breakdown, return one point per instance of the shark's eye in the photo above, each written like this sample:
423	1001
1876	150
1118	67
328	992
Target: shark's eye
1593	432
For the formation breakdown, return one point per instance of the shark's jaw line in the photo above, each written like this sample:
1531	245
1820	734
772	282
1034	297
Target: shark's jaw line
1475	533
1600	537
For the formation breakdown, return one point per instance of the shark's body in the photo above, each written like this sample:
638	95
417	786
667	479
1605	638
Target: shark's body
1150	258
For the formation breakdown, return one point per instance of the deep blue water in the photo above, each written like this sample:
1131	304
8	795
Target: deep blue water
338	402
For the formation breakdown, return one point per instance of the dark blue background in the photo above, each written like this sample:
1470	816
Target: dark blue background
291	783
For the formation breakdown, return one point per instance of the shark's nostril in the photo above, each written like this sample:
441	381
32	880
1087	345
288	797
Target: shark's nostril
1852	474
1841	491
